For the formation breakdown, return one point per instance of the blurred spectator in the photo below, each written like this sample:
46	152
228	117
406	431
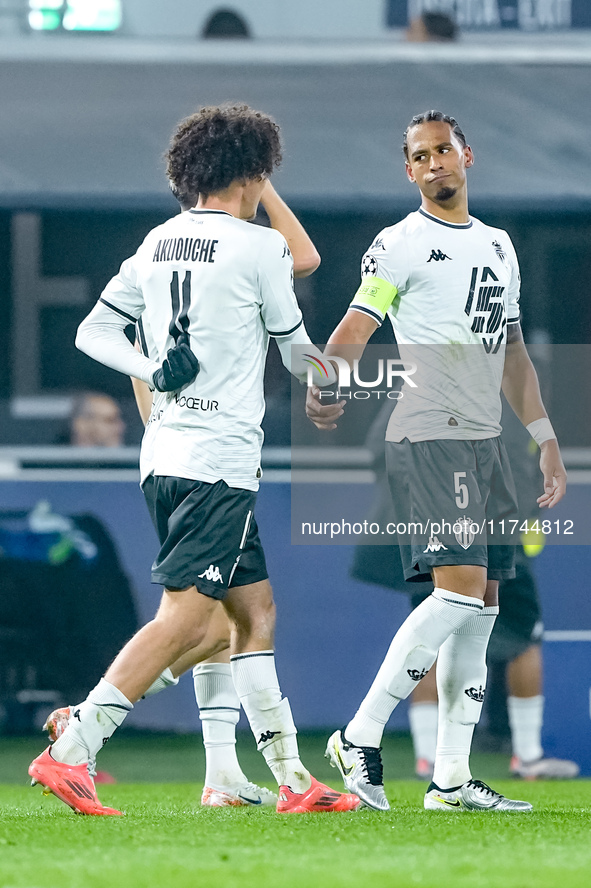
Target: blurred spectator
226	24
96	421
437	27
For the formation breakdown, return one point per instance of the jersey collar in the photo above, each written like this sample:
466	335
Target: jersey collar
441	222
219	212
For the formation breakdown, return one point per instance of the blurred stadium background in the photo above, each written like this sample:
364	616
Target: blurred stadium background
90	93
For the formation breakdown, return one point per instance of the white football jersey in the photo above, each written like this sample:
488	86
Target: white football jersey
449	290
229	285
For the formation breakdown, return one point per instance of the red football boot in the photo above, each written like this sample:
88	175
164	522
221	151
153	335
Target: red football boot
70	783
318	798
56	724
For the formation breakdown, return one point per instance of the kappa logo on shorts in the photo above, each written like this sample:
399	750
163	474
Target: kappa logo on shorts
464	532
212	574
476	694
434	545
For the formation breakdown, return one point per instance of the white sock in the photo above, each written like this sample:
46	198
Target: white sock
255	680
91	724
461	682
219	711
423	728
409	658
526	715
165	680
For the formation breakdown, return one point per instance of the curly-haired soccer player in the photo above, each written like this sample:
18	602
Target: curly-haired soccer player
213	290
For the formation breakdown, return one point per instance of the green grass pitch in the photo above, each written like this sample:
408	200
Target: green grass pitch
167	839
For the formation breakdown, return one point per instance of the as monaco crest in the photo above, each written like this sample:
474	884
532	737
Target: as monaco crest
463	533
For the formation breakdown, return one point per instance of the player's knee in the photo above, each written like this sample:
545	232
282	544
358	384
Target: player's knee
180	636
258	621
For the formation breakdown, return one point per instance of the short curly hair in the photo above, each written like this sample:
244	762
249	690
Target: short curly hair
219	145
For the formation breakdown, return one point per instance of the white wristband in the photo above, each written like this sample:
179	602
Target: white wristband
541	430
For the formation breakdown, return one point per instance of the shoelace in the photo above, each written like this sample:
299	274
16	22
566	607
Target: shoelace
372	764
479	784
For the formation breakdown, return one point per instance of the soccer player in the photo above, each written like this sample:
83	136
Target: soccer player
213	286
219	706
226	785
450	286
515	641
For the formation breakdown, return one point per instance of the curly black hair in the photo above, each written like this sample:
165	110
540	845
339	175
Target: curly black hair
428	117
219	145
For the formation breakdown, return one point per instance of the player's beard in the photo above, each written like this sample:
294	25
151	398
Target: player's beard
445	193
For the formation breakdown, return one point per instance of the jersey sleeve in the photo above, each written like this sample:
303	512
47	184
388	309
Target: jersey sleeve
279	308
123	294
382	273
513	311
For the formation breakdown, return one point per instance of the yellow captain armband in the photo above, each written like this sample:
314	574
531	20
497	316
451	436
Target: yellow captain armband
374	296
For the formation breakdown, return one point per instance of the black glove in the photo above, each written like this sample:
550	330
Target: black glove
178	369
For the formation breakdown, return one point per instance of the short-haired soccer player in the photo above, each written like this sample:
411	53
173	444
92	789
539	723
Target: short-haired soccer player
450	286
213	286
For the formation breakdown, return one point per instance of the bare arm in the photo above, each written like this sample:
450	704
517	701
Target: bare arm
349	338
522	390
306	258
520	380
143	398
348	341
143	393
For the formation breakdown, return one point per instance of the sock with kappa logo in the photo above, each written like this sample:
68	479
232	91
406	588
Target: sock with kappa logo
219	711
270	718
461	683
91	724
410	656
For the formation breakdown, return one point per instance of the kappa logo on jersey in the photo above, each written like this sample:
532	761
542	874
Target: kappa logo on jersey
437	256
464	533
369	266
416	675
286	251
212	574
378	244
434	545
476	694
499	251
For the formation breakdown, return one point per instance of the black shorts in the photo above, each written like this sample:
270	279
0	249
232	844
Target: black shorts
208	535
450	499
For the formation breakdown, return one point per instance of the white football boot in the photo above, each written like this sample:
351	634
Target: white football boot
361	769
471	796
544	769
246	795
